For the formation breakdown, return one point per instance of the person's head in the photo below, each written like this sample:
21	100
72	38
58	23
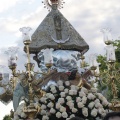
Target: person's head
76	118
112	116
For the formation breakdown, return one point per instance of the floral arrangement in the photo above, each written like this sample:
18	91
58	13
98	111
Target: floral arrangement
64	101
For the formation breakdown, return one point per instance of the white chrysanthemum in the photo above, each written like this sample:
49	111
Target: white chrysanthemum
43	112
74	110
80	105
62	94
69	98
91	105
91	96
105	102
61	88
43	99
84	90
81	94
62	109
97	101
71	105
53	90
60	83
51	96
52	86
85	111
58	115
43	106
93	90
94	112
52	110
71	92
45	117
84	99
50	105
98	105
67	83
64	115
69	102
66	90
78	99
61	100
58	105
72	115
101	111
73	87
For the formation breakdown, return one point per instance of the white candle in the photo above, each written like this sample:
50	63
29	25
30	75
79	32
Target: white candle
48	55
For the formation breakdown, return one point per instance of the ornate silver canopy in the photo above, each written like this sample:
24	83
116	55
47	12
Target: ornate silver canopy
56	32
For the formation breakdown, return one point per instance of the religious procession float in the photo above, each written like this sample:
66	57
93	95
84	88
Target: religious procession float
61	89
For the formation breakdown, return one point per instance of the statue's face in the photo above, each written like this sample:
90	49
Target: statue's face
115	118
63	61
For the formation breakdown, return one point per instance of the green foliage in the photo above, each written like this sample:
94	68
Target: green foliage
7	117
103	67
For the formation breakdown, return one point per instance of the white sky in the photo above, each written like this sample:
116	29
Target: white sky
86	16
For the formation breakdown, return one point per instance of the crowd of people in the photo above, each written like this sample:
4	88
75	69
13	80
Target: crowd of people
109	116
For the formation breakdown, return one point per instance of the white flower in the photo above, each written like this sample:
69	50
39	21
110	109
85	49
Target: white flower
74	92
74	110
101	111
73	87
43	112
94	112
52	110
64	115
51	96
62	94
52	86
58	115
69	102
71	116
43	106
98	105
50	105
62	109
60	83
67	83
93	90
91	96
84	90
66	90
45	117
61	100
58	105
43	99
71	105
69	98
97	101
78	99
61	88
53	90
71	92
105	102
84	99
47	95
81	94
103	114
91	105
80	105
85	111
